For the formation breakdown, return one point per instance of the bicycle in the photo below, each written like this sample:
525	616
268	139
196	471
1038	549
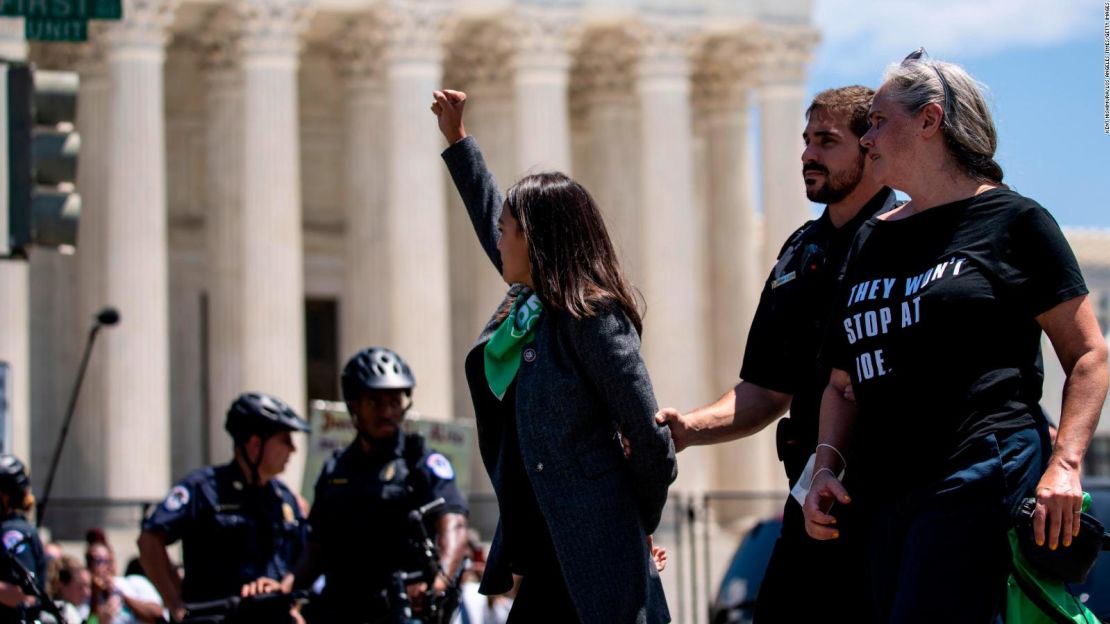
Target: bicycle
438	608
25	579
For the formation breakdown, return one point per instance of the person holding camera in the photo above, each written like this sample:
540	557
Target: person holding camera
241	528
118	599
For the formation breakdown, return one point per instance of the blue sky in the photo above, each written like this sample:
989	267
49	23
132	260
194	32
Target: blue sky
1042	61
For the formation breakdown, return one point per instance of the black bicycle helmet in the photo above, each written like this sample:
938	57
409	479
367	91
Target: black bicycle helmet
254	413
376	368
13	476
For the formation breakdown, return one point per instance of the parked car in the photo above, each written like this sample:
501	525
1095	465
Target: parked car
736	597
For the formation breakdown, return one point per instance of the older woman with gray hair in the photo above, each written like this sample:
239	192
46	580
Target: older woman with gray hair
945	299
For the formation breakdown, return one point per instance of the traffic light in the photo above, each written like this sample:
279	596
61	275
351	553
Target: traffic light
38	169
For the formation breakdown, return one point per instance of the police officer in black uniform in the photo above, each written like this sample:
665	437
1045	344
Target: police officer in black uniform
782	370
18	538
242	529
360	527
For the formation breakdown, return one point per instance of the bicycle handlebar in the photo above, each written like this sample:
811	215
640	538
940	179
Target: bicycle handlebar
262	607
417	515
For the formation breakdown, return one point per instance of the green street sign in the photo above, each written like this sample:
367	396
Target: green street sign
62	9
74	29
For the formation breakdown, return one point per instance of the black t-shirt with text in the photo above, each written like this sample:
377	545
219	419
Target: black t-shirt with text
939	332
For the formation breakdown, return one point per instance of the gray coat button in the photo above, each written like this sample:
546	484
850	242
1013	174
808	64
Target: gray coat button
539	467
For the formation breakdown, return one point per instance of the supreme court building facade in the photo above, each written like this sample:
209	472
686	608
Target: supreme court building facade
263	196
259	176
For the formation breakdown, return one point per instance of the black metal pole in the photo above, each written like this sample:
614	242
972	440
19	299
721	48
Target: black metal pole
691	524
107	316
708	582
679	551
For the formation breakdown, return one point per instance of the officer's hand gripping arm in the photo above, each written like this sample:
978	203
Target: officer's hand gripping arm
743	411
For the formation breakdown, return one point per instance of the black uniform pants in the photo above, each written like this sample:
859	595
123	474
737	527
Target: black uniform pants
940	553
814	581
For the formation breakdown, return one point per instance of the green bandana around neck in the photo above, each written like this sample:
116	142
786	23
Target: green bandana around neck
502	352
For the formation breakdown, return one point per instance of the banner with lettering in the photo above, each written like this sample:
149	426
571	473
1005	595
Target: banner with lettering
333	430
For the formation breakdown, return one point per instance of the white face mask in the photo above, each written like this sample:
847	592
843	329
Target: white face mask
801	488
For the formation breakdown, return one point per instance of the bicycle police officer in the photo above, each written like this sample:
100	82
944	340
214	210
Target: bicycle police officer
240	527
18	538
360	525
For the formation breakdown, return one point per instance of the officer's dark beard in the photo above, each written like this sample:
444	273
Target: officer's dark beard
837	186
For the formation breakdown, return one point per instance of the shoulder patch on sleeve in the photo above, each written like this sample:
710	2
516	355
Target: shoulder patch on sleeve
177	498
440	466
14	541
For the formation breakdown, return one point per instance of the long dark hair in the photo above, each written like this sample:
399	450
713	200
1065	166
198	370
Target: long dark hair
574	265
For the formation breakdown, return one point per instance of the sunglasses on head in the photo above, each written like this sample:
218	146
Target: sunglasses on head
918	56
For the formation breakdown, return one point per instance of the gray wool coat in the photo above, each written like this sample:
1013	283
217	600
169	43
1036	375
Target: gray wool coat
582	380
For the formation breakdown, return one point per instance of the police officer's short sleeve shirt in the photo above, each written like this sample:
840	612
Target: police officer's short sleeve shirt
21	541
231	532
176	515
360	515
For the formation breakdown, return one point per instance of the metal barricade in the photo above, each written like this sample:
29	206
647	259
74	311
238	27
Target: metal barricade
701	533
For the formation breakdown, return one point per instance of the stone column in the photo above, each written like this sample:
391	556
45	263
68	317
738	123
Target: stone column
15	348
225	229
419	296
605	84
735	263
493	104
272	312
135	278
55	345
15	323
541	64
673	282
479	62
80	471
365	315
782	104
736	272
56	339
